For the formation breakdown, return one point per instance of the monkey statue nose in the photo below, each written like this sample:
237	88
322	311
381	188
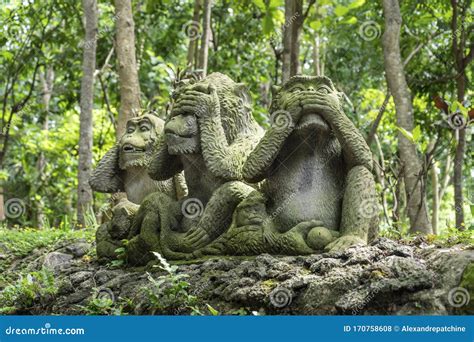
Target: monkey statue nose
311	89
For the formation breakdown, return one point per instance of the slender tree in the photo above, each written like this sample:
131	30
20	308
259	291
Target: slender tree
460	36
286	39
296	27
205	38
84	196
127	64
397	84
47	81
193	43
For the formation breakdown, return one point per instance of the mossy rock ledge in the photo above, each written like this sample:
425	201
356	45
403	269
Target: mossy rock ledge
384	278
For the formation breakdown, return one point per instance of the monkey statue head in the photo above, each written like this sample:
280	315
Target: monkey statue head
299	88
182	133
140	135
182	129
124	167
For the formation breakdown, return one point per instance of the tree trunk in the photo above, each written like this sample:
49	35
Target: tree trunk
458	24
286	40
414	179
296	25
84	196
47	80
206	36
435	205
193	43
127	65
317	56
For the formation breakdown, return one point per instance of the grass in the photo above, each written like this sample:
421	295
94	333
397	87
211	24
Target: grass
18	243
21	242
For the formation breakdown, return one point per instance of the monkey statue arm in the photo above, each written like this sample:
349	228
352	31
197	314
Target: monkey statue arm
224	159
262	157
355	150
106	176
163	165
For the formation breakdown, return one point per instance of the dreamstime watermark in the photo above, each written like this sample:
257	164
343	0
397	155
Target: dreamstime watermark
192	208
457	121
368	299
192	29
278	210
281	119
105	293
46	330
101	32
14	208
280	297
16	119
458	297
369	30
276	38
368	208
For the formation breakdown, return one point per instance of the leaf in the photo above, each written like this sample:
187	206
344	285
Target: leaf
341	10
356	3
407	134
315	25
416	134
350	21
268	23
213	311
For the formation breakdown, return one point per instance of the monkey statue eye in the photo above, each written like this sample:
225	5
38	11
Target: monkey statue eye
323	90
144	128
130	129
297	89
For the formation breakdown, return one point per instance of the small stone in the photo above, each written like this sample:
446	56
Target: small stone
78	249
55	260
79	277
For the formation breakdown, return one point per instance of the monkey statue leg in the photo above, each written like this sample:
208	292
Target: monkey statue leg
214	221
156	210
359	209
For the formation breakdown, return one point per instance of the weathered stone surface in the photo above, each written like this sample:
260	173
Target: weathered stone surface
383	278
78	249
55	260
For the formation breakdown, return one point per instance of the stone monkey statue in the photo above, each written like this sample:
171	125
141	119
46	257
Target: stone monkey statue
318	192
315	154
208	135
124	169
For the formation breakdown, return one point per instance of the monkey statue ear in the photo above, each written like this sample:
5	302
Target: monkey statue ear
106	176
275	90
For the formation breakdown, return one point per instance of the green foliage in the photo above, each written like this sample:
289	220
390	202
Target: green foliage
169	293
447	238
121	253
22	242
104	305
32	289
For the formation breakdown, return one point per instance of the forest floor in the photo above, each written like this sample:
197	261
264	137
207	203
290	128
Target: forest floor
55	271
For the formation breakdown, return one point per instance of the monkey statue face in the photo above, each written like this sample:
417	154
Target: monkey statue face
141	132
300	89
182	133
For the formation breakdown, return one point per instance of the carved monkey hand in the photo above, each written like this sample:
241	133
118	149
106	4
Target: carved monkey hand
327	105
200	99
344	242
292	105
196	237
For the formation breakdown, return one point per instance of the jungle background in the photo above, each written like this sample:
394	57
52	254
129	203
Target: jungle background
72	73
